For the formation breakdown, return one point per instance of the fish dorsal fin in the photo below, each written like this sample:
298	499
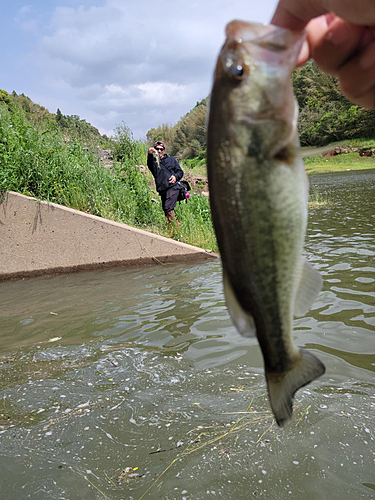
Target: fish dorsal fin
310	285
243	321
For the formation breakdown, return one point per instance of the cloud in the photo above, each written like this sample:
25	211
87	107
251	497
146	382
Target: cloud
139	62
24	20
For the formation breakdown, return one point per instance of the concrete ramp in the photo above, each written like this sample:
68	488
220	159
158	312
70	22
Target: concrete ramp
37	237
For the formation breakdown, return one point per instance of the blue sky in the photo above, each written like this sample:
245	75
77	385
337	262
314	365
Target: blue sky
113	61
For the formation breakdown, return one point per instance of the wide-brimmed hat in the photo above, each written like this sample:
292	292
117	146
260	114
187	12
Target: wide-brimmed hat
159	143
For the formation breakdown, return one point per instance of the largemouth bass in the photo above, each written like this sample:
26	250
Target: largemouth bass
157	158
258	195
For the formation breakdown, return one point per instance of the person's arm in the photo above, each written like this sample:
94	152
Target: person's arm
151	162
340	38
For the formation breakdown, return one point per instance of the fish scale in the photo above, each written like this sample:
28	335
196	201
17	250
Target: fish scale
258	201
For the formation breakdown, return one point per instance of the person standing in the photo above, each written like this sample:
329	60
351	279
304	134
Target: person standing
167	172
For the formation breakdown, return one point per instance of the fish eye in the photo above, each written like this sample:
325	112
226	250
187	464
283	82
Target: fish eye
237	72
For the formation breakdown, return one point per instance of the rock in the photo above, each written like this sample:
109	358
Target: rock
367	152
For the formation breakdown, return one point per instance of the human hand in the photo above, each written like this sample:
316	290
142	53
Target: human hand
340	38
151	151
172	179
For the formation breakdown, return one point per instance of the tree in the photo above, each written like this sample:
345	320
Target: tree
325	114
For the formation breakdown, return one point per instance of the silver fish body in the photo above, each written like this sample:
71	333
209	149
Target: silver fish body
258	195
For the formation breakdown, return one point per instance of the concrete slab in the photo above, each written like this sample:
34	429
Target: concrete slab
37	237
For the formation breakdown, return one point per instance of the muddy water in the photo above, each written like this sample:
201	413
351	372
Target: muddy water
130	384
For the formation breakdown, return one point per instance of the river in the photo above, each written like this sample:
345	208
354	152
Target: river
133	383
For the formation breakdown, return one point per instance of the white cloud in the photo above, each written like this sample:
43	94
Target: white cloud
134	61
162	93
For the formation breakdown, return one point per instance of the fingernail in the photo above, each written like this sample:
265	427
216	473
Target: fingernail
338	34
367	60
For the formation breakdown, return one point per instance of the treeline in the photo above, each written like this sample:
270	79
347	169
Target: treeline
186	139
72	126
325	116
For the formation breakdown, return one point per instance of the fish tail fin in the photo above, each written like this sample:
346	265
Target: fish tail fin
281	388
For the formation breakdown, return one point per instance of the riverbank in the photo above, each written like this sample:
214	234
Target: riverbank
357	158
45	238
339	163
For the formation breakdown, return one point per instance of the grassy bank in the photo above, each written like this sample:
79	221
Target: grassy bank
314	164
339	163
48	166
343	162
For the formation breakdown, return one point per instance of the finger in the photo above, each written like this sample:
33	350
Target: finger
332	45
357	78
295	14
316	29
304	54
317	26
368	36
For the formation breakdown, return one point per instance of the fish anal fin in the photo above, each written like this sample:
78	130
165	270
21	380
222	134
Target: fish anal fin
243	321
310	285
282	387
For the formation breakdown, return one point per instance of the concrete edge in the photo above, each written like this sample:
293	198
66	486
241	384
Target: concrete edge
102	219
170	252
166	260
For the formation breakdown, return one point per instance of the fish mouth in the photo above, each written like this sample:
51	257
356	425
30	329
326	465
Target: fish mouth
264	44
269	37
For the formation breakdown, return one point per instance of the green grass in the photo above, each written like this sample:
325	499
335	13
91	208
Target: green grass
200	170
196	225
43	165
196	165
342	162
313	164
317	200
339	163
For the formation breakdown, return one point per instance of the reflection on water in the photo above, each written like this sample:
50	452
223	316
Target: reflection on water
126	384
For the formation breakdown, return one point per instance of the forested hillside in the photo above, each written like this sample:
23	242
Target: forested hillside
71	126
325	116
186	139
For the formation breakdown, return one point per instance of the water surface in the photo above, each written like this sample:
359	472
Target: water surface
129	384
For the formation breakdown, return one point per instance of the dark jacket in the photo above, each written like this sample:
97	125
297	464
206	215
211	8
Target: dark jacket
168	166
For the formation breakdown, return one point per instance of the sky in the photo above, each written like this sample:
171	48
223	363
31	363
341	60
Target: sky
138	62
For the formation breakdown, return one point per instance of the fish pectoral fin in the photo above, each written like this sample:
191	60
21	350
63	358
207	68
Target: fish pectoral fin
281	388
243	321
310	285
308	152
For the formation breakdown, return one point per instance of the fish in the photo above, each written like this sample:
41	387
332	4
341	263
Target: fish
157	158
258	196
